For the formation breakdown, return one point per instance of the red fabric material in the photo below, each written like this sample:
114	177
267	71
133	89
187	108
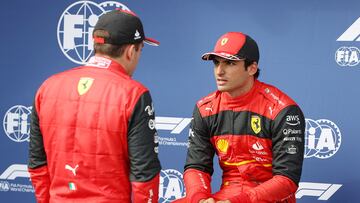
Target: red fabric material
224	102
99	40
146	191
278	187
197	185
230	43
260	168
242	197
101	161
41	182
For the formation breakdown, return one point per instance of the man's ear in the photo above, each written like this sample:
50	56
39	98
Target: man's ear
253	68
130	51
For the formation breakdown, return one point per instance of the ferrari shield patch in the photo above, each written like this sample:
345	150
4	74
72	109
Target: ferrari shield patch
84	85
256	124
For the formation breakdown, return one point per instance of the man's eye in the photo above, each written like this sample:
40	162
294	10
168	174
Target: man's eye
232	63
216	62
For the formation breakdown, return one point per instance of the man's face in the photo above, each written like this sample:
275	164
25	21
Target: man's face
232	77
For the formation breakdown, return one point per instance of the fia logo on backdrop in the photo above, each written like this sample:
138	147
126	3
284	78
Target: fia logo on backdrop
75	27
171	185
322	138
16	123
349	55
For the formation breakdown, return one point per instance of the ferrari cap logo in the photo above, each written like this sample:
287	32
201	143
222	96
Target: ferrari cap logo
224	41
222	145
256	124
84	85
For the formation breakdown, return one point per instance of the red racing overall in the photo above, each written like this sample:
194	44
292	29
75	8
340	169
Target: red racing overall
93	137
259	140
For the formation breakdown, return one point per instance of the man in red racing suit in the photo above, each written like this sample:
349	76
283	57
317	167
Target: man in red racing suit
93	136
255	129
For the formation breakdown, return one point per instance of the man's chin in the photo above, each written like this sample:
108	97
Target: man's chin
222	89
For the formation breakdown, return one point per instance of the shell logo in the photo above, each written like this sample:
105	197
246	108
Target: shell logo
222	145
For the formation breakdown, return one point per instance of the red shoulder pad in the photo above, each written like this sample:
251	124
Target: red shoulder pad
278	99
209	105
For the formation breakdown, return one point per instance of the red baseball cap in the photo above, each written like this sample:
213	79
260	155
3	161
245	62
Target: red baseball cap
234	46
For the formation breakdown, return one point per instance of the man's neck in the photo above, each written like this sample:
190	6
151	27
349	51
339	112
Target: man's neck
118	60
244	89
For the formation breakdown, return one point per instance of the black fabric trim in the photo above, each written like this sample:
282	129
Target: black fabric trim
144	162
200	152
37	155
237	123
288	143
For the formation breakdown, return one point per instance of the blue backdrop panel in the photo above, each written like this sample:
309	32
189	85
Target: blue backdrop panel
309	49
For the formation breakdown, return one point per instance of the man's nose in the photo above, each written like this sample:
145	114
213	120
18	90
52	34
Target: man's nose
220	69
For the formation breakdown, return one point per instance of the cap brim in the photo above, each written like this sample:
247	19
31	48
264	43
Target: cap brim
151	41
210	56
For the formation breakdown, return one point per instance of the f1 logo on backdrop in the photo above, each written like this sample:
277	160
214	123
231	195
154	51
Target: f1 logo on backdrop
176	126
322	138
15	171
75	27
8	182
349	55
322	190
16	123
